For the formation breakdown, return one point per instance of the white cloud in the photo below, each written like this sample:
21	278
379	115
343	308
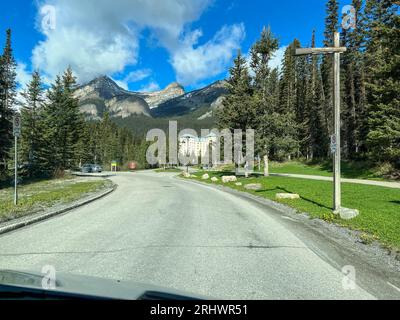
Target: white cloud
195	63
23	76
121	84
150	87
134	76
276	61
97	37
138	75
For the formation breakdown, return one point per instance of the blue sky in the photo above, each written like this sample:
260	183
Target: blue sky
145	45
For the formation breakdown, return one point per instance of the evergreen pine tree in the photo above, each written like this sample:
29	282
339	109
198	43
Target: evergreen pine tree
7	102
73	127
236	113
331	26
31	136
383	80
54	123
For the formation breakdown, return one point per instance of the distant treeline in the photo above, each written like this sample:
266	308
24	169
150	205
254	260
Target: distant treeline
292	108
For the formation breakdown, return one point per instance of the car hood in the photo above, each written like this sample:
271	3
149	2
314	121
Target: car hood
86	287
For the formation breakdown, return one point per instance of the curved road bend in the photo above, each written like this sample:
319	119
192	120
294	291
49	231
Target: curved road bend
160	230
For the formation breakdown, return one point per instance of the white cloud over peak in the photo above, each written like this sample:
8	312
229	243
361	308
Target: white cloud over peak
97	37
194	63
150	87
134	76
138	75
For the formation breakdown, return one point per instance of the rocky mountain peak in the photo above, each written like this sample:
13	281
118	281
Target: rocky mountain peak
154	99
102	94
175	85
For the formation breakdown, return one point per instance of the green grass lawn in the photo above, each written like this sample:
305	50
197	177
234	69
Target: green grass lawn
379	207
349	170
36	196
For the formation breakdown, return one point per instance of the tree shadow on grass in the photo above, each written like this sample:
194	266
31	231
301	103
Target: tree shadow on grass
395	201
284	190
270	190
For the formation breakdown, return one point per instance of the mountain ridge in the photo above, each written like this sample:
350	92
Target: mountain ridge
102	94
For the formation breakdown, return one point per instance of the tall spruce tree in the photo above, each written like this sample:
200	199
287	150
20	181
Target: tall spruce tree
318	130
7	101
383	80
237	112
292	100
73	127
275	134
54	122
331	26
238	109
31	137
353	89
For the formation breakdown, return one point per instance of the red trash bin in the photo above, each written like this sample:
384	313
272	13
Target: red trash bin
132	165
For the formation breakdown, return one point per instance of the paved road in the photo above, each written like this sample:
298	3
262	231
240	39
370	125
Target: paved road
160	230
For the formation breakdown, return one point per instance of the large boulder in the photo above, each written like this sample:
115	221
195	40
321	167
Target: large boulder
292	196
253	186
348	214
227	179
186	174
205	176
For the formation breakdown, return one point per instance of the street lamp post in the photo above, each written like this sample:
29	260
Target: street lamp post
335	141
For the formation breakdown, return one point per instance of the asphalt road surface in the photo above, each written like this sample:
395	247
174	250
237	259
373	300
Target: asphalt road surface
158	229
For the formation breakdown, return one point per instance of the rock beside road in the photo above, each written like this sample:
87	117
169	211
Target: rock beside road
214	179
292	196
205	176
186	174
227	179
239	184
348	214
253	186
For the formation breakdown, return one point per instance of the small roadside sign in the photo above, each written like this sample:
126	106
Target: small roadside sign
114	166
17	125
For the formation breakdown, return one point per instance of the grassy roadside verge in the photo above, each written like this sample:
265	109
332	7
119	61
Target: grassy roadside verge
350	170
167	170
38	196
379	207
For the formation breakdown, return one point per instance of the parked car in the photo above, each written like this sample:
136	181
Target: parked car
87	168
97	168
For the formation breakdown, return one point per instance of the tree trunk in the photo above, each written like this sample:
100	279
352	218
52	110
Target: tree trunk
266	166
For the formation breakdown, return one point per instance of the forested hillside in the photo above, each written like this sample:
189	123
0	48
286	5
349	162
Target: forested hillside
292	108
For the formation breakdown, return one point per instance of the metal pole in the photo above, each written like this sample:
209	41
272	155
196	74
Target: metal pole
16	171
337	156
